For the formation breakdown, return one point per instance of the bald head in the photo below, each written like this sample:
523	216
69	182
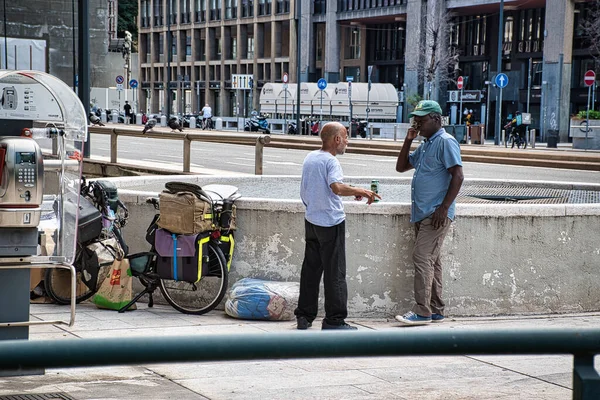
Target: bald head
335	138
331	130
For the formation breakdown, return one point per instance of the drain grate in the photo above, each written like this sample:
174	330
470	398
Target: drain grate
525	195
38	396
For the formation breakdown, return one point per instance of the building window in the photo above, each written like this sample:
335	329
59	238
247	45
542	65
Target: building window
158	13
388	41
531	30
261	7
320	7
468	35
215	10
247	8
320	43
283	7
509	23
173	43
250	54
234	48
184	9
352	43
188	45
173	12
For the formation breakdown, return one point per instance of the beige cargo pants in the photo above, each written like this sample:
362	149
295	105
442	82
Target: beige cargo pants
428	268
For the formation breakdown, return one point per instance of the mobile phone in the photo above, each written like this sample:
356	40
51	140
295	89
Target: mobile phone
414	124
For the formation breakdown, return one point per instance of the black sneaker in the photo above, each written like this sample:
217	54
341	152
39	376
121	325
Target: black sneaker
303	323
342	326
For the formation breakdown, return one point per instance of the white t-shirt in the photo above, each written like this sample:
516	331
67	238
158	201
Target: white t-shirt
206	112
319	171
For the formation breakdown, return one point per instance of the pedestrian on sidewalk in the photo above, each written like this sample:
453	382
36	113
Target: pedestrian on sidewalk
436	182
321	188
128	114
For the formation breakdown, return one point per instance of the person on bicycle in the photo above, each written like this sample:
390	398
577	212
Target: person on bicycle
518	129
206	116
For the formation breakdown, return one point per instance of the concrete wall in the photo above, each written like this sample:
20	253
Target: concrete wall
504	259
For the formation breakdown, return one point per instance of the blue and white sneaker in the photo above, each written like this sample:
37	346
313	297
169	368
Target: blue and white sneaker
410	318
437	317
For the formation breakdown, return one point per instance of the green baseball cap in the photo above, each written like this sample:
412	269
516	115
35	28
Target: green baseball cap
426	107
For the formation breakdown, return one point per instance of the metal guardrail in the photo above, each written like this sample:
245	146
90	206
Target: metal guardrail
73	288
187	138
583	344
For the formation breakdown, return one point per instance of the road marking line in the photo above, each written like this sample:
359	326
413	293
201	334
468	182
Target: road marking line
246	165
282	162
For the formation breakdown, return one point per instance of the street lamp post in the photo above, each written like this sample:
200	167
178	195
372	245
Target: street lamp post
499	70
487	106
298	58
169	50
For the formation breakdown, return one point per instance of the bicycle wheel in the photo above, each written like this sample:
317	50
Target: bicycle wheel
203	296
57	282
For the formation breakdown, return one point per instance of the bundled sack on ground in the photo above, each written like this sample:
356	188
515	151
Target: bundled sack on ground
185	209
262	300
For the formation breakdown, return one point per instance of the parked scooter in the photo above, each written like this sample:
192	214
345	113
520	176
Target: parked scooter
292	128
361	129
258	122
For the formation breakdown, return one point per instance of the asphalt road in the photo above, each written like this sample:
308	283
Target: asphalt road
225	159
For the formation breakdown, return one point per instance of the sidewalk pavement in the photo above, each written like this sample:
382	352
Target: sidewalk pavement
426	377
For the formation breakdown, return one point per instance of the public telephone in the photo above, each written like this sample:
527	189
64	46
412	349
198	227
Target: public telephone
21	183
21	195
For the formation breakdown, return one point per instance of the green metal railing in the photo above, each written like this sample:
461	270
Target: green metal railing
582	343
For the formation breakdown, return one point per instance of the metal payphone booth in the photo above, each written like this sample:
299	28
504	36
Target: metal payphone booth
42	129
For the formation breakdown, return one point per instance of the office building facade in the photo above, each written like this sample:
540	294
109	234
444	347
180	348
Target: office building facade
544	52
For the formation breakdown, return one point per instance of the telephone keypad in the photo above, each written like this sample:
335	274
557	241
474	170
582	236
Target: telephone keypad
26	176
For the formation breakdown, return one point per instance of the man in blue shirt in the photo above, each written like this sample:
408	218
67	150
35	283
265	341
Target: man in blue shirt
436	182
325	252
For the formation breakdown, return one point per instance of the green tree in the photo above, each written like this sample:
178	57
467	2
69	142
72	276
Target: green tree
128	13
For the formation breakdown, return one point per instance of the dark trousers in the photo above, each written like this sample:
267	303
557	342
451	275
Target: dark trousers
324	255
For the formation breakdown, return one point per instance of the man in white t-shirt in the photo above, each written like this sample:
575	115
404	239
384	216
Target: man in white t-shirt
206	114
325	253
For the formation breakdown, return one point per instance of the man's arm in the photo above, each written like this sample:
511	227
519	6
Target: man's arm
403	163
341	189
439	217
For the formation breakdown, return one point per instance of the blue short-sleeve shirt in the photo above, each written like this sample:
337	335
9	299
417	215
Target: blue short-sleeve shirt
323	207
431	179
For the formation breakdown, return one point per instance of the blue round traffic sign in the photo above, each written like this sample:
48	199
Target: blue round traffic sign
322	84
119	79
501	80
133	83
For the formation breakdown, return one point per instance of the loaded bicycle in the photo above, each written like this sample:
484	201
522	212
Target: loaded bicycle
212	254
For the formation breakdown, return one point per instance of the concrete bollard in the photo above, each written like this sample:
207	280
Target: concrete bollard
138	119
503	140
532	138
395	131
163	120
192	122
114	117
258	153
219	124
370	132
103	116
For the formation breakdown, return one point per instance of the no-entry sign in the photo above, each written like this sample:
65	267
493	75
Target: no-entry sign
459	82
589	78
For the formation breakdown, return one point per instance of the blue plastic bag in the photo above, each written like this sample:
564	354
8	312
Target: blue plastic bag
262	300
